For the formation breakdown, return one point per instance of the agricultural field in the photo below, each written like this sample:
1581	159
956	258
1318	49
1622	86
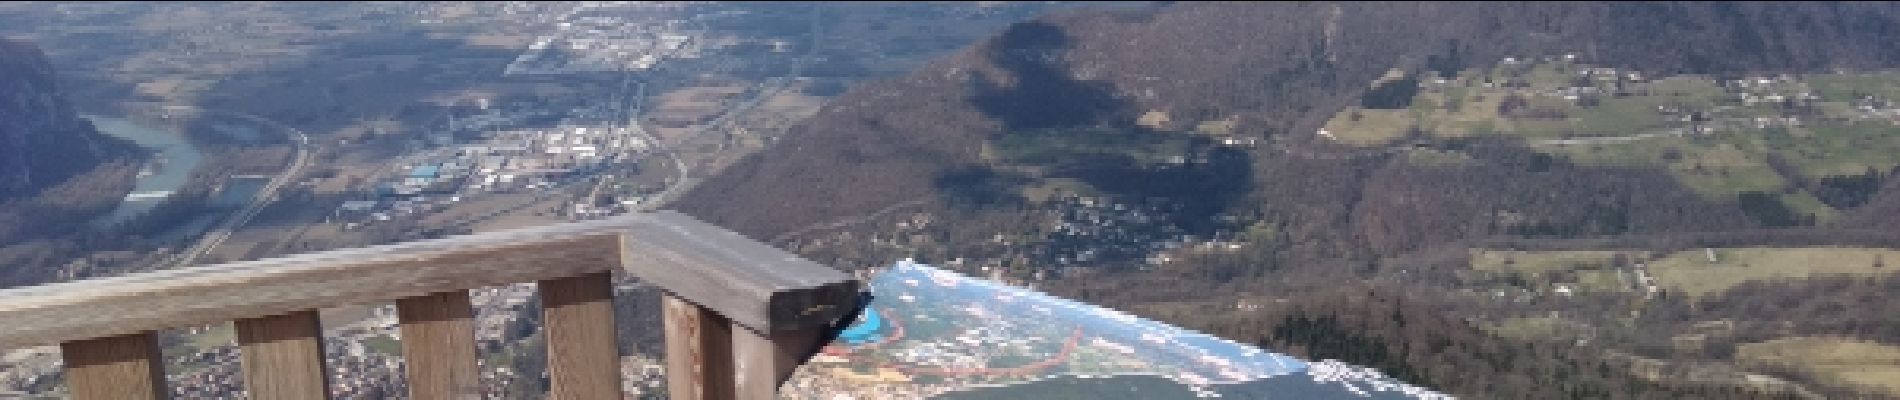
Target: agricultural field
1851	362
1362	127
1691	272
1721	137
1584	271
1687	272
1854	85
1543	262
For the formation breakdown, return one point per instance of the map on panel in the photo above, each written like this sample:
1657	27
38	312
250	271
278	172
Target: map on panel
932	333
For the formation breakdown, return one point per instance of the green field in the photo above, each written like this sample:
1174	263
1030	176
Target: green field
1685	272
1371	127
1831	137
1722	170
1581	271
1805	203
1536	263
1844	86
1691	91
1602	281
1840	149
1458	112
1837	361
1691	273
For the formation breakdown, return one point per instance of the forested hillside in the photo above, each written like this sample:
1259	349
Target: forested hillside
1097	153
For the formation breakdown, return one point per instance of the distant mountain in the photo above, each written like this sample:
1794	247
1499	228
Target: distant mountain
1271	68
43	141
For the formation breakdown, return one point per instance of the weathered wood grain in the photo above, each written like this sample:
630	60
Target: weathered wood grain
438	346
717	282
282	356
59	312
753	284
578	318
124	367
763	361
698	352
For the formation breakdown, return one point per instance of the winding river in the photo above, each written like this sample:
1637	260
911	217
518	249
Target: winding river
173	159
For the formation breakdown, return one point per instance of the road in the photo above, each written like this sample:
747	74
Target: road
264	196
772	88
1607	139
1296	150
653	142
847	221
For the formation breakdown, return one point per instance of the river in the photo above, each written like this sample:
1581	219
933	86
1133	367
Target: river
173	159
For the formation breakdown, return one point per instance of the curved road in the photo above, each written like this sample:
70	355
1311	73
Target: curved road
771	88
264	196
1372	151
847	221
681	182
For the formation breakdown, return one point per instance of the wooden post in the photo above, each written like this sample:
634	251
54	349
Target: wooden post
765	361
698	352
438	346
716	280
125	367
578	318
283	356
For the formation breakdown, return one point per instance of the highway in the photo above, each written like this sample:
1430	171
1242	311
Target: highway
264	196
771	88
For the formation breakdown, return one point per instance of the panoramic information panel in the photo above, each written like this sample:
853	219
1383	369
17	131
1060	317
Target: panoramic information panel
932	333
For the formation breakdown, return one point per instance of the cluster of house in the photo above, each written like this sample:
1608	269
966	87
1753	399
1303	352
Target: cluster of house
218	378
1085	229
1780	89
509	161
1876	108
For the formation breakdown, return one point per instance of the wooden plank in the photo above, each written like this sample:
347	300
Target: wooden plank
698	352
751	283
283	356
764	361
125	367
438	346
578	318
212	294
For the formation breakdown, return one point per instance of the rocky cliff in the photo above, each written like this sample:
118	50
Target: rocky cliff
42	140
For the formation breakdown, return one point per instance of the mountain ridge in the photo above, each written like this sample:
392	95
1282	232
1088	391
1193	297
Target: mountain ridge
42	139
1273	68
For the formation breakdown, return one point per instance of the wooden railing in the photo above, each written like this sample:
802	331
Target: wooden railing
739	315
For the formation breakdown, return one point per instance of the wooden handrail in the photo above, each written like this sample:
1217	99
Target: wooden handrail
764	299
